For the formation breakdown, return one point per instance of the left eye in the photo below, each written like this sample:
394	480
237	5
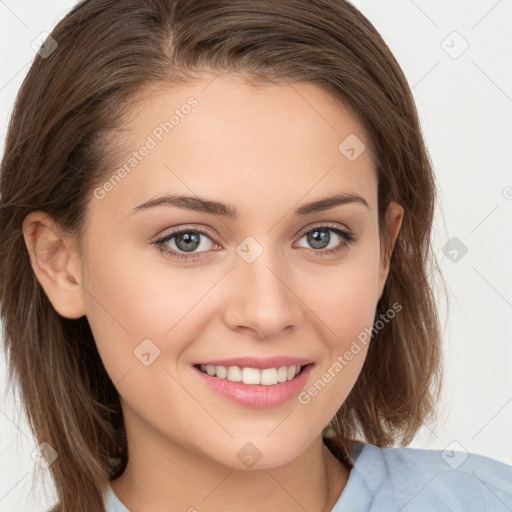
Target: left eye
320	236
188	240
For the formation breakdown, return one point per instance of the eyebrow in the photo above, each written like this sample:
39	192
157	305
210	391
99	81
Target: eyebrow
199	204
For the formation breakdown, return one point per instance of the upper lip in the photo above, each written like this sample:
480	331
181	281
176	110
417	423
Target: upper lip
259	362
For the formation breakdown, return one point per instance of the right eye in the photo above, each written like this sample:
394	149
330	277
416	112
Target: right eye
185	241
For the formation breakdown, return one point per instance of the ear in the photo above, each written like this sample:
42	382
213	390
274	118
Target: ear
394	216
55	264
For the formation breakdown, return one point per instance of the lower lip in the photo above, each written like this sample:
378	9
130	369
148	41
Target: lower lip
256	395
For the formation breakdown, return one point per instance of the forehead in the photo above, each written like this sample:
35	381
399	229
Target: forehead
247	144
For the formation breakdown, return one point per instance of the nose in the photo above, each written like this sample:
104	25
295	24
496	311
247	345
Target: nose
262	298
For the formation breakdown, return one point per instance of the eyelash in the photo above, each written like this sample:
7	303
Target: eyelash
347	236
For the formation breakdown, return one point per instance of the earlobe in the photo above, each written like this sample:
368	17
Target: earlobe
394	216
55	264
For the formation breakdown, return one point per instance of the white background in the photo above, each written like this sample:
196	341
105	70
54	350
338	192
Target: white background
465	107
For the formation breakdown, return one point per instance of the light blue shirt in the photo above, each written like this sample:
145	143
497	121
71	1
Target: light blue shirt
414	480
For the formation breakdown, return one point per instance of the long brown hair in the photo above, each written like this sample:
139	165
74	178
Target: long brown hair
73	101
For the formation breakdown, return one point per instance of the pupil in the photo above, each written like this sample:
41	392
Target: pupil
191	241
318	237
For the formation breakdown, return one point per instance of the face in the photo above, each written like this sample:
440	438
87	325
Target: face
275	278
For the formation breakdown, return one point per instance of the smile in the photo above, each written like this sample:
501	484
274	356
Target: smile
252	376
255	393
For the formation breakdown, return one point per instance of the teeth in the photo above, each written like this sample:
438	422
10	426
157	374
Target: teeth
266	377
252	376
234	373
282	374
220	371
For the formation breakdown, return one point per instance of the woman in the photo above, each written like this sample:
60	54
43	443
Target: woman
214	265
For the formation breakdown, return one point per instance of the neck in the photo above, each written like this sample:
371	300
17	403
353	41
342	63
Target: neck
161	473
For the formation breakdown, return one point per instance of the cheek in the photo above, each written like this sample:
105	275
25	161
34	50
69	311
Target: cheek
136	294
344	310
127	303
344	297
351	308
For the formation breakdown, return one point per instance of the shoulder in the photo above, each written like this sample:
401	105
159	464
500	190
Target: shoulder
452	480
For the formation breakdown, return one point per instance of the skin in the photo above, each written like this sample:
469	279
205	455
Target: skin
266	151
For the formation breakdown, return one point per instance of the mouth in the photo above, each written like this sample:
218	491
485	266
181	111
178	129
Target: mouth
255	388
253	376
